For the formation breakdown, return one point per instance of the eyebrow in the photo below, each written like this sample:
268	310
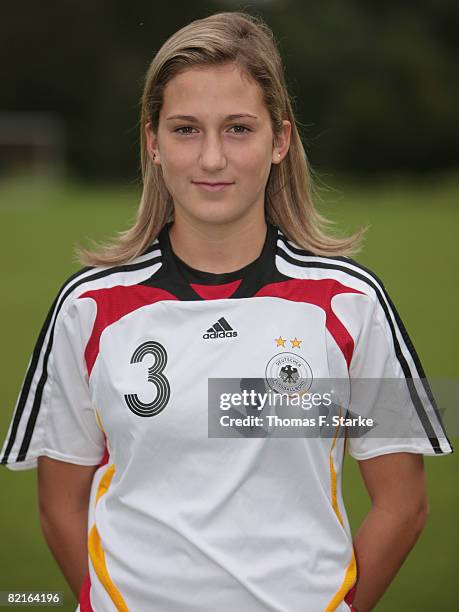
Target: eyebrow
227	118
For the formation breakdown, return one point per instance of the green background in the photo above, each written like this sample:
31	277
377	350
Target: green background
411	245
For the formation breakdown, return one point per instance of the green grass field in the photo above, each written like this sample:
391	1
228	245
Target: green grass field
411	245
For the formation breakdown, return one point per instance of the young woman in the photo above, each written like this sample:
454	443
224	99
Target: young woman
228	273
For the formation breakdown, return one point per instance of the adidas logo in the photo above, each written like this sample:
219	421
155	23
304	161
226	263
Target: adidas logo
220	329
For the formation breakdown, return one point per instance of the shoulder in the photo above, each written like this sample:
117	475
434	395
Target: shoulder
297	262
104	277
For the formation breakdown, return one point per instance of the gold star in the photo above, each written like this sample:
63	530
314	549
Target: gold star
280	341
296	343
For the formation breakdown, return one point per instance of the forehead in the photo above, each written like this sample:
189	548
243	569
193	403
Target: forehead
222	89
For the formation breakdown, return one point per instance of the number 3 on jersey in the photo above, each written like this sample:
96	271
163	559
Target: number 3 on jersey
155	376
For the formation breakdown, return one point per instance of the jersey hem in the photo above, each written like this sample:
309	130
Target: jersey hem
31	463
426	450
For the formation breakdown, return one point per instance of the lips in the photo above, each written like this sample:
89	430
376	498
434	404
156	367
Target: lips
209	183
212	186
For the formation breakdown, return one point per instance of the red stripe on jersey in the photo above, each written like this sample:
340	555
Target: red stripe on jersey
216	292
105	456
84	599
114	303
319	292
350	596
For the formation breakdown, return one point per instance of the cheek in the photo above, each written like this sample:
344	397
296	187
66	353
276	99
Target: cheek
254	163
176	163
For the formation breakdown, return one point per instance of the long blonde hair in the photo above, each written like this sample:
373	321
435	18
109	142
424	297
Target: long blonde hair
222	38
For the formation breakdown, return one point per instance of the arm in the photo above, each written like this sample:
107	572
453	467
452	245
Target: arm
63	497
397	488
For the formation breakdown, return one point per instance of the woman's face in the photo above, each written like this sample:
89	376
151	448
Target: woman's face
214	128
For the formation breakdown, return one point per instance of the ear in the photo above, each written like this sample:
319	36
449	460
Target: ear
152	144
282	143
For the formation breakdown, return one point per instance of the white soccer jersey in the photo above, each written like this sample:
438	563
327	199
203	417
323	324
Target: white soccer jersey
180	521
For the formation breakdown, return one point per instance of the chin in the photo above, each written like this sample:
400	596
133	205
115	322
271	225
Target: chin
217	213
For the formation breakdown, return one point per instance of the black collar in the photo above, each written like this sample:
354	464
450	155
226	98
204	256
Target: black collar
177	277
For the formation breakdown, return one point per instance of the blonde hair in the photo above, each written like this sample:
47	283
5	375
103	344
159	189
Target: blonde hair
222	38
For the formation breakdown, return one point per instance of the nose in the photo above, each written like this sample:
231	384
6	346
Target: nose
212	155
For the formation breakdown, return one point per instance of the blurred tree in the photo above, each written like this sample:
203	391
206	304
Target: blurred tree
375	84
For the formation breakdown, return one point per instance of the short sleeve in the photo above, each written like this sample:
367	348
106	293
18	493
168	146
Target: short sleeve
54	415
389	388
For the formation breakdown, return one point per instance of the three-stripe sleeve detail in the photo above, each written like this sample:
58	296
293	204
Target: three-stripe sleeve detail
44	345
348	266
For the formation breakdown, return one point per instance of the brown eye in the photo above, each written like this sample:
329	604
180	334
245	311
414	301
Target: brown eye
243	127
186	127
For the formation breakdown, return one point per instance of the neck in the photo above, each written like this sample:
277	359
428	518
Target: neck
218	248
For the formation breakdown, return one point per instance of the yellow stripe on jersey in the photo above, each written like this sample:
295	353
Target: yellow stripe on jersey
105	481
334	497
351	570
96	551
99	421
348	583
101	427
